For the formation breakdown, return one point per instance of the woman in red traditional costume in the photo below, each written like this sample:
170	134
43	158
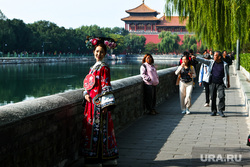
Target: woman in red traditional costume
99	144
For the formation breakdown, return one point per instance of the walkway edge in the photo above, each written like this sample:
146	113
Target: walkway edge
245	88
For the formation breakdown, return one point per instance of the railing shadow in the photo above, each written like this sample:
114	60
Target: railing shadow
141	142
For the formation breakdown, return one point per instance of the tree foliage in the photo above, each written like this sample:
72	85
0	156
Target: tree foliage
16	36
169	42
151	48
219	23
2	16
134	44
189	42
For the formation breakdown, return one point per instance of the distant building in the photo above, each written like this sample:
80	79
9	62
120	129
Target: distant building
143	20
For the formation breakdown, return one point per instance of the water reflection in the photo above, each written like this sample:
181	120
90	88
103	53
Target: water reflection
28	81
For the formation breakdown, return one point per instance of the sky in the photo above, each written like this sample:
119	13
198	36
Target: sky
75	13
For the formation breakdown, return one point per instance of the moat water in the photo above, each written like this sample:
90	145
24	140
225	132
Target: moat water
21	82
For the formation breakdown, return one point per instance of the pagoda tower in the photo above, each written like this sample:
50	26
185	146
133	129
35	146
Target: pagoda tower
143	20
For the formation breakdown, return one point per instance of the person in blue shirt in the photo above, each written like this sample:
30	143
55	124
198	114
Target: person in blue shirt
219	80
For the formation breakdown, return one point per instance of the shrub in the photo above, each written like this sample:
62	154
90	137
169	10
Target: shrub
245	61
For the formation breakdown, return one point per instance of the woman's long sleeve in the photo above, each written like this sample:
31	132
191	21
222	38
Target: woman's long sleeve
177	72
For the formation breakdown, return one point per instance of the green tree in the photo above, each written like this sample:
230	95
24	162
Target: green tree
2	16
120	41
177	41
16	36
202	48
135	44
151	48
23	36
219	23
121	31
189	42
167	42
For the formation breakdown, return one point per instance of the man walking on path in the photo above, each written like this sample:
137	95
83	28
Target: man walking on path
219	79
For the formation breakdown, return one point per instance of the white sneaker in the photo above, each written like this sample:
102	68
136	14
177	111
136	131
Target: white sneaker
183	112
206	105
187	111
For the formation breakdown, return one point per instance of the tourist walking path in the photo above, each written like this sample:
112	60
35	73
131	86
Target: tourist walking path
173	139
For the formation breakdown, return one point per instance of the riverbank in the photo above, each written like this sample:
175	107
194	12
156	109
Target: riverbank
23	60
156	57
13	60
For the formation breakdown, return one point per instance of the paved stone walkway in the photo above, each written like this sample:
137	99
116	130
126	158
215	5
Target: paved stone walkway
173	139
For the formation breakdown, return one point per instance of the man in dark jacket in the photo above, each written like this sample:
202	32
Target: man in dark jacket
219	80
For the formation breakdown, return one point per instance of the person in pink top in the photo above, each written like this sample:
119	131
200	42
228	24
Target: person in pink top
151	80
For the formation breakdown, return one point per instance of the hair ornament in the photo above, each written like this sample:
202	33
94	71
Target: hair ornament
92	41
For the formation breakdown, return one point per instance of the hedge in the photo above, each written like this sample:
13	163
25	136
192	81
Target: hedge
245	61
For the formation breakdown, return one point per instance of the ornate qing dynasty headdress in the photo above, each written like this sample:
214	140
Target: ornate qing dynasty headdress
92	41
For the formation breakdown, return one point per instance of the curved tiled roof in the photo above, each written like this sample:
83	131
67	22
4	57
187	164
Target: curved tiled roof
140	18
173	22
142	9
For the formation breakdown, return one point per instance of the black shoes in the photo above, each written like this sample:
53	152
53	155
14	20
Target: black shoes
213	114
221	113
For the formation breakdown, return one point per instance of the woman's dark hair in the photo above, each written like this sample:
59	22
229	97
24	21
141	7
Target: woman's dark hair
185	53
146	55
103	46
191	51
187	57
219	53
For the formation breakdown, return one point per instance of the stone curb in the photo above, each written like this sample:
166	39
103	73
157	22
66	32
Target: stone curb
245	87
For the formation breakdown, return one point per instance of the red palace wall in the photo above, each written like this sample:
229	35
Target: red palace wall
154	38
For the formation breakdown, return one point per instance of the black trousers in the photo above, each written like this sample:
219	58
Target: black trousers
150	97
206	85
220	89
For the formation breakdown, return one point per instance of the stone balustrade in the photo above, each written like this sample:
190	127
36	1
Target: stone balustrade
45	132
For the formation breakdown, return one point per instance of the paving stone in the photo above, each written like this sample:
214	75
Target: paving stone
169	139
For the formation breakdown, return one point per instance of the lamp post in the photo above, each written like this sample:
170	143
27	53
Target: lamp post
238	43
43	47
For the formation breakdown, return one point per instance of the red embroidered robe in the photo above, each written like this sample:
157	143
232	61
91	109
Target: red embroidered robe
98	129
